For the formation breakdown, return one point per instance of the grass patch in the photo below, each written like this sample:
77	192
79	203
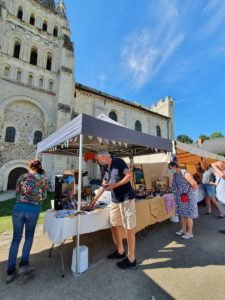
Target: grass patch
6	212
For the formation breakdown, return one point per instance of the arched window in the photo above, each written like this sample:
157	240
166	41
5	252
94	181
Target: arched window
20	13
49	63
6	71
16	52
10	134
32	19
113	115
138	126
55	31
45	26
30	79
50	86
34	56
41	83
158	131
37	137
18	75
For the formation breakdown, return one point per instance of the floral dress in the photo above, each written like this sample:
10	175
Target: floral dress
181	185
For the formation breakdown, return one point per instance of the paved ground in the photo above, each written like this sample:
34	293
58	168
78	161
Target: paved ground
7	195
170	268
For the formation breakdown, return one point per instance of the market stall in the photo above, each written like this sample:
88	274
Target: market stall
61	225
85	133
189	156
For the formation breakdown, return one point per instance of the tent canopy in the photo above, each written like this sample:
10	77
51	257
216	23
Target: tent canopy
189	155
101	132
214	145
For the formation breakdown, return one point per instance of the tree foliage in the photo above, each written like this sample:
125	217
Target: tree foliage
183	138
216	135
204	137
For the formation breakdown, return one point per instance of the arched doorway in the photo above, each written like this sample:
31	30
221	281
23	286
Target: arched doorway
13	177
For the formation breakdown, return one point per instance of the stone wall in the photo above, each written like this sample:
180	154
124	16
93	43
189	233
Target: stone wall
35	104
33	97
127	115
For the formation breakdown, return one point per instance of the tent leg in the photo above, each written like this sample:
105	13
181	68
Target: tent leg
79	205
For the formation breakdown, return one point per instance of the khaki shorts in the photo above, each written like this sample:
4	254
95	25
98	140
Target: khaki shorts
123	214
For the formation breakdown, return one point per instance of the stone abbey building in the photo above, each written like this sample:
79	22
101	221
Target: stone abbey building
38	92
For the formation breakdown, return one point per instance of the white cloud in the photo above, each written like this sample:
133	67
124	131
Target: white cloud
214	10
186	100
102	78
145	52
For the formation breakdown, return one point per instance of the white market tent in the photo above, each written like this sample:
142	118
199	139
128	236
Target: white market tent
85	133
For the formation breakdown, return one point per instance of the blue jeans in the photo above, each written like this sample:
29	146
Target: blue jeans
210	190
21	219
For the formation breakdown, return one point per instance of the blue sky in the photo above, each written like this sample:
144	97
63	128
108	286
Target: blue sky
144	50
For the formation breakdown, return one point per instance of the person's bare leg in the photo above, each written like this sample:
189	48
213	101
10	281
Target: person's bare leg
189	225
117	238
113	235
208	204
183	223
214	201
131	244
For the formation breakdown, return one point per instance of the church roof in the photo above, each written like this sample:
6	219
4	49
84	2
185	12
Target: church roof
117	99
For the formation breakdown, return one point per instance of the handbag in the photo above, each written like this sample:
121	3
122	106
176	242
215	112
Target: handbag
183	196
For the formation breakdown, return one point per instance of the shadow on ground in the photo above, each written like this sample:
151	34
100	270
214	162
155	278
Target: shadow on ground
168	267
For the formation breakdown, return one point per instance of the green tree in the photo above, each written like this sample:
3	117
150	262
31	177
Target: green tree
216	135
204	137
183	138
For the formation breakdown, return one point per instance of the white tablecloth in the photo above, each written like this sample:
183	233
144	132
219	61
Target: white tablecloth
59	229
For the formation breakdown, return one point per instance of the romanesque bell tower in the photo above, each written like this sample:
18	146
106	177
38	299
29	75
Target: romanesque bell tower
36	82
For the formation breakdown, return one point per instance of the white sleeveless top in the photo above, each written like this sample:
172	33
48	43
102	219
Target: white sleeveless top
220	188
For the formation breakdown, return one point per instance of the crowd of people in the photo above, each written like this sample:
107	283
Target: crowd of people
31	190
211	179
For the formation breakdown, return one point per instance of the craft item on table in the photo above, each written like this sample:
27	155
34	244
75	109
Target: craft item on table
64	213
149	195
140	193
69	204
169	202
85	205
101	205
139	175
157	192
88	190
68	179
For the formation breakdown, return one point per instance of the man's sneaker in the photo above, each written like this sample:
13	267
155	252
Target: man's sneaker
187	236
180	232
10	278
25	270
116	255
222	231
221	217
126	264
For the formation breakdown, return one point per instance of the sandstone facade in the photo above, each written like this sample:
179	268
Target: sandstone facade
38	93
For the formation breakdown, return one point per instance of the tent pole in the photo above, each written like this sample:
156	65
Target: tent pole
79	205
